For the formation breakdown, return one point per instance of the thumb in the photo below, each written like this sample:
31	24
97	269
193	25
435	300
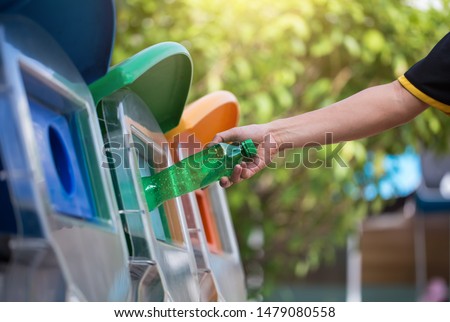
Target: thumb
230	135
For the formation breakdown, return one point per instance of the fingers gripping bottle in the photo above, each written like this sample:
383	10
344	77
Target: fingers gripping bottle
196	171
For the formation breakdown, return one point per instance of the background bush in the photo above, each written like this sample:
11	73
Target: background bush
281	58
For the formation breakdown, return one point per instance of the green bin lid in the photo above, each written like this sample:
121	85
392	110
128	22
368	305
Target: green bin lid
160	75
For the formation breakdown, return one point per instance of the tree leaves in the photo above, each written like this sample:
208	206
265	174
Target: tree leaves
287	57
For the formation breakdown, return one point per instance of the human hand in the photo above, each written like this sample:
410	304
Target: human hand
265	142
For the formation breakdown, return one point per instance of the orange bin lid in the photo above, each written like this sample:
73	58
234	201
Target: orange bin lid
209	115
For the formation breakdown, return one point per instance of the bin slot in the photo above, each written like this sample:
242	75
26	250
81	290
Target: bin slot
56	119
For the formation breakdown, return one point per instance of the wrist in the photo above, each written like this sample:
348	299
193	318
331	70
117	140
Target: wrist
274	134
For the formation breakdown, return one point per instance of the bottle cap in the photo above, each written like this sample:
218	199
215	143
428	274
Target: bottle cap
248	148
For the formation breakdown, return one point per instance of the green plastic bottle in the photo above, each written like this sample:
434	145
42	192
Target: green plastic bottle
196	171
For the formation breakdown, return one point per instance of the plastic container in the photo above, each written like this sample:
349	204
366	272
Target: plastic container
137	100
207	212
196	171
60	198
136	148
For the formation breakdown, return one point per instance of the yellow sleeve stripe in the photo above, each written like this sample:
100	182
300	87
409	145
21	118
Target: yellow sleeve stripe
422	96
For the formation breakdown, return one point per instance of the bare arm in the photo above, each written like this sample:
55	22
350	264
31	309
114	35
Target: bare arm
364	114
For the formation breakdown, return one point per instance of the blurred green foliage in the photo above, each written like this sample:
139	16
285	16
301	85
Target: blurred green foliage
286	57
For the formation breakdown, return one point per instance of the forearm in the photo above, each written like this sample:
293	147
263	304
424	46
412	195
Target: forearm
366	113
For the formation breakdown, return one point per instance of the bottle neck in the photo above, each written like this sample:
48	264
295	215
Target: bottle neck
233	154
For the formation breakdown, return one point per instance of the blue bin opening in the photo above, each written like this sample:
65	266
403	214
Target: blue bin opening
52	114
61	160
68	194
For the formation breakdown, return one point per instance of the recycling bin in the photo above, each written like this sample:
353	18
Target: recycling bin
137	100
209	211
59	201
